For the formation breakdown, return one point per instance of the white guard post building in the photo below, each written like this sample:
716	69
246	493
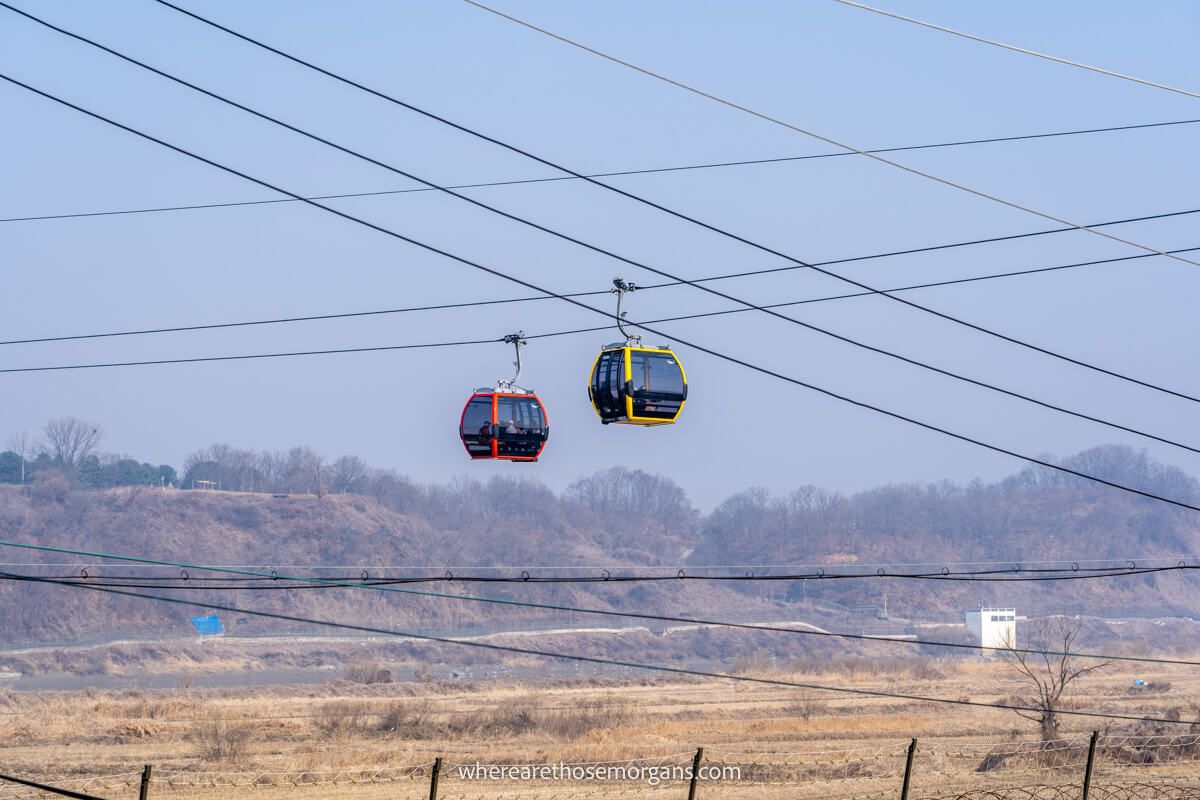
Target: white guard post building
994	627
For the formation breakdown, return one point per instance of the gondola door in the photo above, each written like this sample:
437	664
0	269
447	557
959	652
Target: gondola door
608	385
477	428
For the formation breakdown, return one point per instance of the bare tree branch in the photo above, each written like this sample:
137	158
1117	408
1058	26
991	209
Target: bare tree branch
1048	678
69	440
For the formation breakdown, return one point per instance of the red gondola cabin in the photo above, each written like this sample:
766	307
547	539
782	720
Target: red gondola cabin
504	426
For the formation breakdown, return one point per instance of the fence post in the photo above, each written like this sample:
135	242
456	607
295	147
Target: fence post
912	750
1087	774
144	790
433	777
695	772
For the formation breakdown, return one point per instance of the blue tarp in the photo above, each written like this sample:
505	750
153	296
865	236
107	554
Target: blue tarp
207	626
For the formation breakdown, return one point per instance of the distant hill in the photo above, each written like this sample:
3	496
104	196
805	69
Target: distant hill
1035	515
504	523
618	518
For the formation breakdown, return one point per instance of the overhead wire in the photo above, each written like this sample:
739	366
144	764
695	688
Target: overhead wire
1023	50
288	320
459	343
1024	397
796	128
168	600
512	602
971	242
1007	575
529	285
593	293
1114	563
613	662
574	240
797	628
471	342
773	270
615	174
708	226
248	356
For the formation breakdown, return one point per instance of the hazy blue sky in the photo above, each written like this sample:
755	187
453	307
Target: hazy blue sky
864	79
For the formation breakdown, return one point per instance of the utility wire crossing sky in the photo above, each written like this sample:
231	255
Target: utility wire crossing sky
852	457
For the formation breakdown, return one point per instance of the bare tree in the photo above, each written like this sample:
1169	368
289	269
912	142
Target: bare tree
348	473
69	440
392	490
1047	677
232	469
19	444
634	494
238	468
246	464
273	466
305	470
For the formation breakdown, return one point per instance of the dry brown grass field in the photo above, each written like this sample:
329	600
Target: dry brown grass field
344	739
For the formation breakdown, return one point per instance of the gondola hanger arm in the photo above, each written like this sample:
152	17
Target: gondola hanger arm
620	288
517	340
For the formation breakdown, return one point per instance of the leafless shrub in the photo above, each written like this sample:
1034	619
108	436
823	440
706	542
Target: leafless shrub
803	708
562	724
855	666
410	720
757	662
511	721
98	662
923	669
222	740
157	708
416	720
367	672
336	720
578	722
50	487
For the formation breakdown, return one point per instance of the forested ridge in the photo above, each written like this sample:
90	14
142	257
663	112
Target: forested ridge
295	508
